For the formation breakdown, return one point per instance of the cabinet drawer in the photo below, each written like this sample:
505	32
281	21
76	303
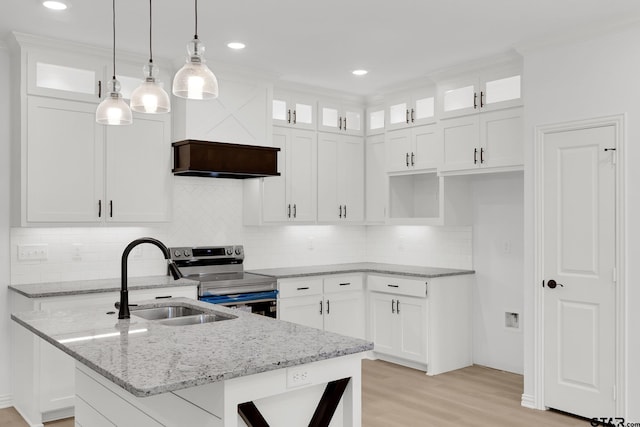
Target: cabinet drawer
299	287
397	285
161	293
343	283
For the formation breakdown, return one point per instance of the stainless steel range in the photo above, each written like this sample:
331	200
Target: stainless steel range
220	271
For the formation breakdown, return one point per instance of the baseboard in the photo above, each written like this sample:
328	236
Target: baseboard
528	401
29	422
6	401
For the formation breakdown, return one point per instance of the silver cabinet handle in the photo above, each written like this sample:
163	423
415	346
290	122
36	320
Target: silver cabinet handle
289	116
407	116
413	116
294	117
475	156
393	306
475	100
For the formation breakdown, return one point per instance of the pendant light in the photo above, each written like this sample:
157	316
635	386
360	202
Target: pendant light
149	97
195	80
113	110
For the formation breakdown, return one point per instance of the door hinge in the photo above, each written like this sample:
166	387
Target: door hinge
614	275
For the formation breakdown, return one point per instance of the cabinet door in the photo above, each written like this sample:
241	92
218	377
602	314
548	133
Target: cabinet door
139	170
383	322
352	120
461	143
501	138
376	180
375	120
329	174
344	314
302	174
57	373
274	188
412	336
427	147
65	76
350	171
293	110
501	88
398	112
459	97
423	107
330	117
307	311
64	157
398	148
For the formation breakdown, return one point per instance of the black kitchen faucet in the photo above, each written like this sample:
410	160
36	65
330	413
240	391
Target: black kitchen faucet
123	312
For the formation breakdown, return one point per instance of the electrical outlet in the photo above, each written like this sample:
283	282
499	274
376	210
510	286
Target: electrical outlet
37	252
76	251
297	377
310	242
511	320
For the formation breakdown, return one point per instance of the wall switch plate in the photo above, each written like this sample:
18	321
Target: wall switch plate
297	377
35	252
76	251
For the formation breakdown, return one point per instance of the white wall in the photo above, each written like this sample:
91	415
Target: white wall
5	378
498	246
595	77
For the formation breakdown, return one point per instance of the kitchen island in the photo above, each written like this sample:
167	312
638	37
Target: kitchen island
145	372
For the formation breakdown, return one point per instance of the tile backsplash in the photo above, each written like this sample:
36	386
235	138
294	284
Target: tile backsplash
209	212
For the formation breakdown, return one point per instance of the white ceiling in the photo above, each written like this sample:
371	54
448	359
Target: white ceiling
319	42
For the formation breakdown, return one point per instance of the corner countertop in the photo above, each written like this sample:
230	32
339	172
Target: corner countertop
360	267
54	289
147	358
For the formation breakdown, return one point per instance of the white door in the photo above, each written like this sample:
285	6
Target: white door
412	336
350	173
384	324
501	135
398	146
427	148
376	180
302	175
344	314
579	255
461	138
307	311
328	177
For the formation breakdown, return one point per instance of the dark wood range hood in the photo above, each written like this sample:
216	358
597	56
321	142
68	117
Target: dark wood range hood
223	160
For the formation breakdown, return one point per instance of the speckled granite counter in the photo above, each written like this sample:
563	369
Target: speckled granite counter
148	358
53	289
361	267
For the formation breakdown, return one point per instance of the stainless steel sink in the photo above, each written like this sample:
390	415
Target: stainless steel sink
179	315
168	312
197	319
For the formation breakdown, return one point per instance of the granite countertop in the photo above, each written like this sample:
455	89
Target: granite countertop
147	358
361	267
53	289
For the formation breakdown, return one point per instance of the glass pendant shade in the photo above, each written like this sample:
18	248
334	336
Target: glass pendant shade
149	97
195	80
113	110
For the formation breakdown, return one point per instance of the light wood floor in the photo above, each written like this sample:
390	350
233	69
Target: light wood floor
395	396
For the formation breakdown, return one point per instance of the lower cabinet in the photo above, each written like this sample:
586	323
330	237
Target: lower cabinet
46	389
331	303
421	323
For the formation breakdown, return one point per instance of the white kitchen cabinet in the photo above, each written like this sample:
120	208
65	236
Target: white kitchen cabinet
412	108
84	173
294	109
418	148
376	182
375	120
491	141
292	195
421	323
46	389
68	169
340	117
333	303
340	178
488	90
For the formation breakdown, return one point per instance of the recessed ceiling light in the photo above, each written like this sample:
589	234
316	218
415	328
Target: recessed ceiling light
55	5
236	45
359	72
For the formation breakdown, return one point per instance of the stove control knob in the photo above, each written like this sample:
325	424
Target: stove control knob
177	253
187	253
229	251
238	251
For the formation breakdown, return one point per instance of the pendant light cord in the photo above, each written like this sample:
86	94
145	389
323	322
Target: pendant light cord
196	35
113	20
150	24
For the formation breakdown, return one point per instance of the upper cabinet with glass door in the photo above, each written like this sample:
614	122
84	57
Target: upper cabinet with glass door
65	75
416	107
375	120
339	117
294	110
487	91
